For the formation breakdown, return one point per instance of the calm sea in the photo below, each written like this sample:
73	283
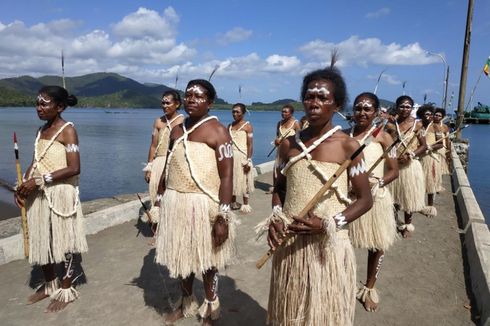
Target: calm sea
114	144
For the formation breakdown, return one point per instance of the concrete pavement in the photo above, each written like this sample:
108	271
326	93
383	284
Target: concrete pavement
422	280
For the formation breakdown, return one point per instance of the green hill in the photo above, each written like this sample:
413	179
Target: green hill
92	90
113	90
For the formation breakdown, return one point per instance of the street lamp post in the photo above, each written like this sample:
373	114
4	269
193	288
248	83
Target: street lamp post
446	78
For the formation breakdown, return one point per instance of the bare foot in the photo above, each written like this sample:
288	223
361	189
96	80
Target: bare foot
172	317
37	296
152	242
55	306
207	321
406	234
370	305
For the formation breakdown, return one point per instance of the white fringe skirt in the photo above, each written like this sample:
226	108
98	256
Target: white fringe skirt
441	155
243	183
51	236
375	230
408	190
433	174
184	242
313	283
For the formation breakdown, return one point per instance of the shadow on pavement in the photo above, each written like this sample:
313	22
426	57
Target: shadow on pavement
160	292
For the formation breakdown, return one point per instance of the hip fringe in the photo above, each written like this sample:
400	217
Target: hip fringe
51	235
408	189
156	172
432	171
243	183
313	283
184	242
375	230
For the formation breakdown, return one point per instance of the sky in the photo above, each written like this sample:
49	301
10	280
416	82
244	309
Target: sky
262	47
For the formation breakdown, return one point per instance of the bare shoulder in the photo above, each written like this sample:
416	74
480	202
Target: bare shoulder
346	131
418	125
385	138
158	123
390	126
217	131
248	128
347	142
69	135
176	131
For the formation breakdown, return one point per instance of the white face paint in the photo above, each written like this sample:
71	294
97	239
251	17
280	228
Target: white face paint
364	104
40	98
358	169
225	151
195	89
72	148
167	98
316	92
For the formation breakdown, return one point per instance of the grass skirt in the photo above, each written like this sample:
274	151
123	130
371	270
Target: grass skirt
184	242
243	183
375	230
313	283
156	172
52	235
441	155
408	190
432	171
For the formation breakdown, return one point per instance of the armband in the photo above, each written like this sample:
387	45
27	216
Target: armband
340	221
247	162
147	167
48	178
225	212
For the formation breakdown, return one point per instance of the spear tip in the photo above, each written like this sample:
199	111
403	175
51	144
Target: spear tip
15	137
377	131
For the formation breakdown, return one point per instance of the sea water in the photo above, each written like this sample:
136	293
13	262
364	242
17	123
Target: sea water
114	145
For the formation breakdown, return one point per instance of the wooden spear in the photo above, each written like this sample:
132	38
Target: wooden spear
321	192
23	214
147	211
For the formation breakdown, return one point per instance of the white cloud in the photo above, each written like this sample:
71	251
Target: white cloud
356	51
279	63
379	13
148	23
235	35
141	38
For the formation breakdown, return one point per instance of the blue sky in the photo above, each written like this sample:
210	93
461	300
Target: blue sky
264	46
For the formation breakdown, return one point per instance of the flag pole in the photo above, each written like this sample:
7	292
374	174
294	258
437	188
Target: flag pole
63	68
473	91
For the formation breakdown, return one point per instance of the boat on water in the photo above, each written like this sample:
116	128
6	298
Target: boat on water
479	115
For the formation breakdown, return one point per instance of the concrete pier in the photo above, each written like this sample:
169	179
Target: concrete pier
425	280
